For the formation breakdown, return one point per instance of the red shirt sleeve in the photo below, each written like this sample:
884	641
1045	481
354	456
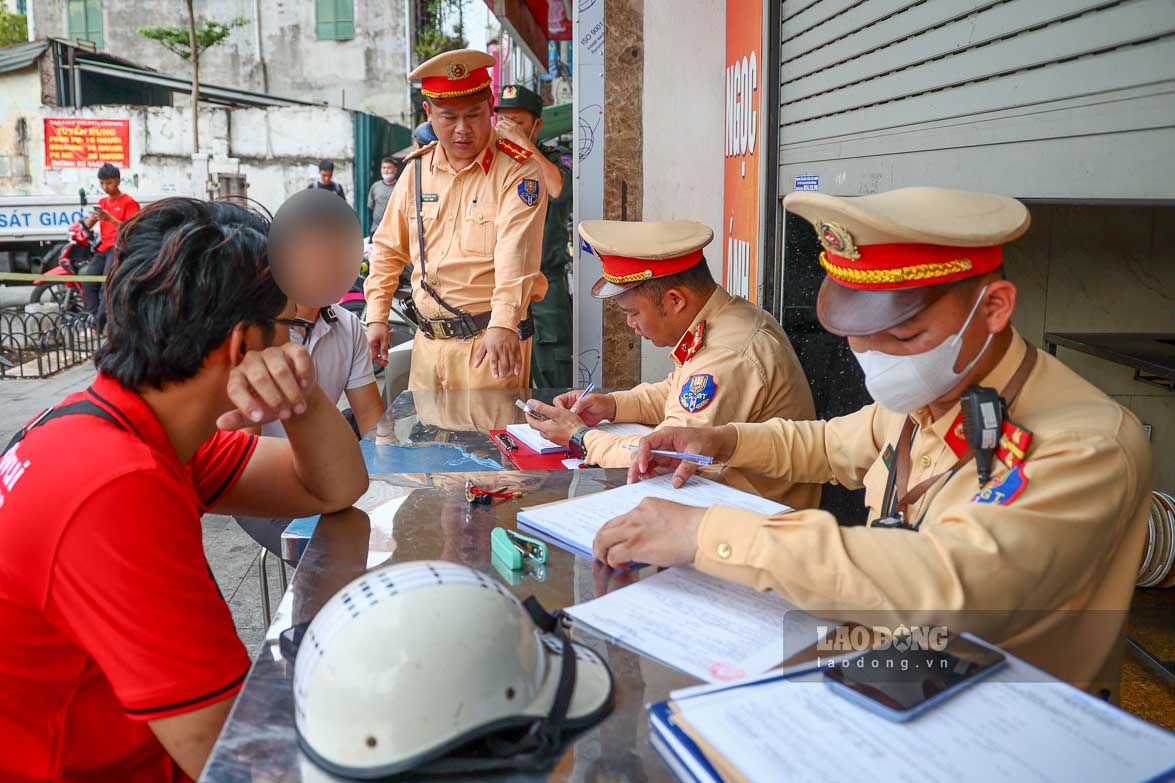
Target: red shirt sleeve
131	586
219	463
132	207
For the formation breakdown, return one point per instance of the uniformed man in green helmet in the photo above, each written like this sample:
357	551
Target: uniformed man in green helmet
520	117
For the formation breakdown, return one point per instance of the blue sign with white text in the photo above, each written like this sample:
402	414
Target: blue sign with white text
808	182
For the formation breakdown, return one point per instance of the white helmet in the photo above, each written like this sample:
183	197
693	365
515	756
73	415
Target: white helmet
412	661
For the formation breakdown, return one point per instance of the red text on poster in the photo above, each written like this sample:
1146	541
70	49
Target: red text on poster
74	143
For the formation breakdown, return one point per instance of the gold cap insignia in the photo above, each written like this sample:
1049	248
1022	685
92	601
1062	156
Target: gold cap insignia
457	71
509	92
836	239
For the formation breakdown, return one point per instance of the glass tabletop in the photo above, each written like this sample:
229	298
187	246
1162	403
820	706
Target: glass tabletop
425	516
445	431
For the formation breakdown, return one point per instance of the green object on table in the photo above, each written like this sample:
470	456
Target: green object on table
510	547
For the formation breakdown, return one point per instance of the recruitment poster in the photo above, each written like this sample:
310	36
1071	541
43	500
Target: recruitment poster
80	143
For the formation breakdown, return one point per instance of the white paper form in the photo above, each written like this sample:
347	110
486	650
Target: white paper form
576	522
623	429
716	630
1018	724
533	439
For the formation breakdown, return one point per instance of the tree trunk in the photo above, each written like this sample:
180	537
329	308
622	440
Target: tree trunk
195	55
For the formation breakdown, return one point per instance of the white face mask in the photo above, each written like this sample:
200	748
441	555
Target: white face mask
903	384
389	178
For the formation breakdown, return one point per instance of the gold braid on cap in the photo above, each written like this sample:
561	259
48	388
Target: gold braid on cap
899	275
455	93
621	279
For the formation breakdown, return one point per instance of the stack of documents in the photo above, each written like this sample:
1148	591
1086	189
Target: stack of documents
574	523
716	630
1017	724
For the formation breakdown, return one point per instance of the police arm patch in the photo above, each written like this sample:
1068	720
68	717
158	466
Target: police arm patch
698	392
528	191
1002	490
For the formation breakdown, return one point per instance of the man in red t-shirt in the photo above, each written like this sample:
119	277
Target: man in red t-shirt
111	211
120	661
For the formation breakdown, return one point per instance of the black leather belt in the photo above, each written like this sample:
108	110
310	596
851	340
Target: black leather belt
467	326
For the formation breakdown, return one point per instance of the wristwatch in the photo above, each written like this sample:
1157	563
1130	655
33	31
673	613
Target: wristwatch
576	446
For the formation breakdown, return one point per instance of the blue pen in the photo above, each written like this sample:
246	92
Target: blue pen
700	459
579	399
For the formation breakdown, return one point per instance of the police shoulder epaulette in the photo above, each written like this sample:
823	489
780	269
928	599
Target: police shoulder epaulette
519	154
426	148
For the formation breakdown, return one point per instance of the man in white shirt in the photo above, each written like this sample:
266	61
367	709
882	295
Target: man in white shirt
337	343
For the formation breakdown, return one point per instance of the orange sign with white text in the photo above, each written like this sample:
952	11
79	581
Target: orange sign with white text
742	196
75	143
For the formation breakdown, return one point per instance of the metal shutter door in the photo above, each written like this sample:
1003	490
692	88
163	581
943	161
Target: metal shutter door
1047	99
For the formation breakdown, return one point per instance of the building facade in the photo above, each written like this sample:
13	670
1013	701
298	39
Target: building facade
353	54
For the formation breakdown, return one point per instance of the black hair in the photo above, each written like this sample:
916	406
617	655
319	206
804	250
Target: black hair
326	165
185	273
697	278
109	171
390	159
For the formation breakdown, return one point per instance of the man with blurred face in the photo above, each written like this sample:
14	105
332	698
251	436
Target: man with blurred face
467	213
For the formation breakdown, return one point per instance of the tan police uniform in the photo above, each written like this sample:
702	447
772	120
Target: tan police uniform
1041	560
483	233
734	363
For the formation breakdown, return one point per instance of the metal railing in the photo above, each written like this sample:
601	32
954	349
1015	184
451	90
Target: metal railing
45	341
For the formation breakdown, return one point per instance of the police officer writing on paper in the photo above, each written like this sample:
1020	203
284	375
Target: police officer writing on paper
520	118
732	361
1021	519
467	212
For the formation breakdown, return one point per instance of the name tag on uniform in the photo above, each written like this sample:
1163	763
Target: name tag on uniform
429	198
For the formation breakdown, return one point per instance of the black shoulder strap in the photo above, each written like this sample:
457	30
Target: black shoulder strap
79	408
424	284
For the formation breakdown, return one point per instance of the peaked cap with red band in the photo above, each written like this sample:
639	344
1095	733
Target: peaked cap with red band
453	74
889	256
632	252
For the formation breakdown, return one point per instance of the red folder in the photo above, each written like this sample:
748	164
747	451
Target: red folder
526	458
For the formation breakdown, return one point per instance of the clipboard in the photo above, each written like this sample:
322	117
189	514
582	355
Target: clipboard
525	458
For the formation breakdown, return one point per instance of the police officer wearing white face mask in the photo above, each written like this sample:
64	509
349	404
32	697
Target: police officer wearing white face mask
1026	525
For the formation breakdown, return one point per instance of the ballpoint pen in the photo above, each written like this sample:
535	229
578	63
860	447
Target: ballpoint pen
579	399
700	459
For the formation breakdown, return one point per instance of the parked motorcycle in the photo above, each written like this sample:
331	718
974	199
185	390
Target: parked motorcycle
74	257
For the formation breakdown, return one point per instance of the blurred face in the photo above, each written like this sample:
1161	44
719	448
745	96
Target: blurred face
110	186
326	175
388	172
316	268
524	119
461	124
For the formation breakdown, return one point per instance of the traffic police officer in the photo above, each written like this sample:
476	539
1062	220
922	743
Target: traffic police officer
1039	557
520	118
467	213
732	361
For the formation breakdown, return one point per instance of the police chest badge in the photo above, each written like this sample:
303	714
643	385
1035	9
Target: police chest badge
698	392
1002	490
528	191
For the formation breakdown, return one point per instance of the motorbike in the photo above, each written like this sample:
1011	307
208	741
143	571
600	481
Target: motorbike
75	255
